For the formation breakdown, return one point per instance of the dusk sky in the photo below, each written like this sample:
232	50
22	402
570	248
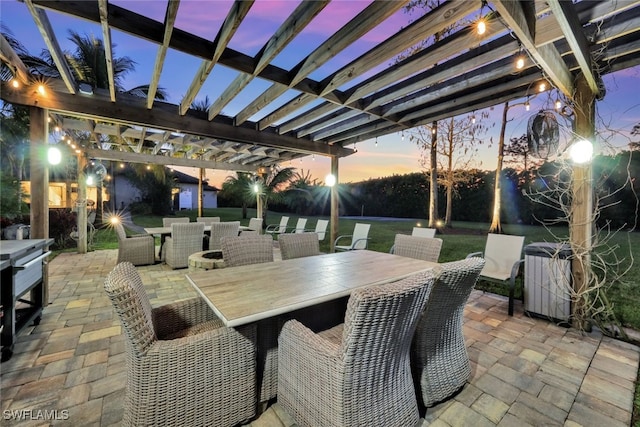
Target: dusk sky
619	110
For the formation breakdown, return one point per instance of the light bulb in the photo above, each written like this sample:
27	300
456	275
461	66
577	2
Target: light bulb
558	104
41	89
542	87
527	106
15	83
54	155
482	27
330	180
520	62
581	151
473	119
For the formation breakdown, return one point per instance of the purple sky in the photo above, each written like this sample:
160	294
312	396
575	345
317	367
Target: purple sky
620	109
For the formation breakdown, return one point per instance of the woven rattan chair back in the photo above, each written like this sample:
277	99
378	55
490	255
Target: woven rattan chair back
357	373
166	222
298	245
255	224
186	239
423	232
125	290
208	219
247	249
424	248
439	356
120	233
220	230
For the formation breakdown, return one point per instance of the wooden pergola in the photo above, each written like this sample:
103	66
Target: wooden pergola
570	46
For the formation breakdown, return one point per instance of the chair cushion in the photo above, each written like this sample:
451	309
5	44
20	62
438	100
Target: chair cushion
194	330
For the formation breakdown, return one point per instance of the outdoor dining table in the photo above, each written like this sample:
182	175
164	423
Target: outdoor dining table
262	293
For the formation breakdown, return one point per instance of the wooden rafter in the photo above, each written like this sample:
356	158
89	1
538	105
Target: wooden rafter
44	26
169	22
231	23
520	17
366	20
290	28
103	6
572	29
13	61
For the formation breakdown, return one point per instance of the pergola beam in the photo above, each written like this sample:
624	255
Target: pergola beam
568	21
520	17
169	22
103	6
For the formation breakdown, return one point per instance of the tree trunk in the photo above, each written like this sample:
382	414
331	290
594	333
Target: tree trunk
433	178
496	226
447	219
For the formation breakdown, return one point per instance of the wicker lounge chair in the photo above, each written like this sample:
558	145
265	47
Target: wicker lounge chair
357	373
166	222
220	230
439	358
359	238
184	367
138	249
246	249
185	240
424	248
297	245
503	256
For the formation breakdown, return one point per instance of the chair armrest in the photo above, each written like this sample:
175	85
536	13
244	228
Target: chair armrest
354	243
514	271
272	227
295	335
180	315
393	248
139	236
474	254
341	237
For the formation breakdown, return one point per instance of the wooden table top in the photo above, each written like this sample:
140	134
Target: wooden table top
167	230
241	295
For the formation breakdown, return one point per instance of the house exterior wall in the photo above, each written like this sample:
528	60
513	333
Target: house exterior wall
209	198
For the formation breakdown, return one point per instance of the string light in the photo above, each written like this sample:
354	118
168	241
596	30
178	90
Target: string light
376	141
41	89
542	87
402	134
473	118
520	59
527	106
15	83
558	104
481	26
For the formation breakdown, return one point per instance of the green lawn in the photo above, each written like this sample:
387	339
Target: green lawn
463	239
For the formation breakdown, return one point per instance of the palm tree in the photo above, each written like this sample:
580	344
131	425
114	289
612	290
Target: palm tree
240	186
273	187
88	64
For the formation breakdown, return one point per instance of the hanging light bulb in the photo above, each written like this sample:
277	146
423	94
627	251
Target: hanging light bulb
558	104
481	25
402	134
313	157
520	59
376	141
473	118
433	131
542	87
15	83
527	106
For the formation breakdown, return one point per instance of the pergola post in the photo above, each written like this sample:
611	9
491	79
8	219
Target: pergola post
39	209
581	216
335	208
200	194
81	205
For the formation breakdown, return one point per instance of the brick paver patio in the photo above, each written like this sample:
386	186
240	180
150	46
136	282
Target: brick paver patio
525	371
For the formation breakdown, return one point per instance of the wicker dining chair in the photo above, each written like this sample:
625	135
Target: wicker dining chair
246	249
166	222
185	240
424	248
297	245
357	373
255	224
220	230
439	358
183	366
208	220
138	249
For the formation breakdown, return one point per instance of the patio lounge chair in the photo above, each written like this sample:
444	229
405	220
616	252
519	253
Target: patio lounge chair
275	229
166	222
423	232
220	230
300	225
185	240
503	255
297	245
424	248
184	367
439	358
138	249
321	229
359	238
246	250
357	373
